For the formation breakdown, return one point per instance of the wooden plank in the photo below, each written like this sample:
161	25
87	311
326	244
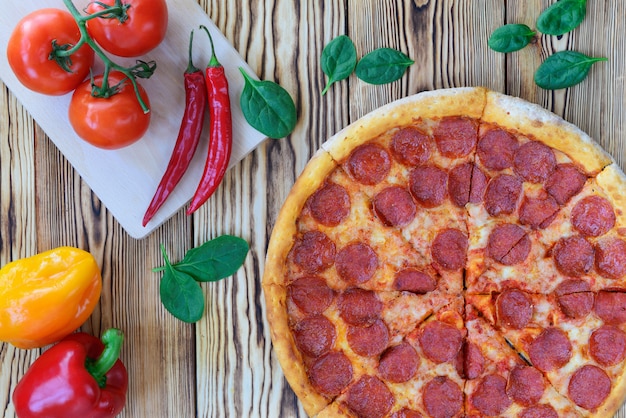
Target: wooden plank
447	40
18	231
237	372
158	350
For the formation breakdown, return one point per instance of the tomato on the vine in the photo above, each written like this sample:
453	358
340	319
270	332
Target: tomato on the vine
113	122
142	31
30	47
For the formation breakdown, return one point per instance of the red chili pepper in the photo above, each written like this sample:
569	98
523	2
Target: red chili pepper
221	139
80	376
188	136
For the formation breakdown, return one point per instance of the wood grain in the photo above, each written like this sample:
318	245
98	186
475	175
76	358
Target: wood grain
224	366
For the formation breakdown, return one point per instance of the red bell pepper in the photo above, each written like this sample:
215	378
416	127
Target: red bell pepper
80	377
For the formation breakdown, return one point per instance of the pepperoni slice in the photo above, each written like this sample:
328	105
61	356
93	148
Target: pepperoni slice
368	341
442	397
428	185
502	194
550	350
514	308
573	256
572	286
611	307
399	363
406	413
330	204
356	263
449	249
496	149
369	164
440	342
539	411
508	244
331	373
369	397
314	252
611	258
466	183
565	182
470	361
575	298
525	385
490	396
394	206
534	161
359	307
415	281
593	216
410	146
311	294
607	345
576	305
538	212
456	136
589	387
314	335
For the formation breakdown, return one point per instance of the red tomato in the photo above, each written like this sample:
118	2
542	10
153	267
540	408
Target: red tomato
142	32
30	46
110	123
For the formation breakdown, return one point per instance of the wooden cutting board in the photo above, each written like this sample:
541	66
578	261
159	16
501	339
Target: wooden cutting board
125	180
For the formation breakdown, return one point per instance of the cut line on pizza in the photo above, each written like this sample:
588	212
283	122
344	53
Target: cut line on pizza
455	253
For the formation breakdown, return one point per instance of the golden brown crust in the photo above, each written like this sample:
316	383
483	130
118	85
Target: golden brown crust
287	352
281	241
613	182
466	101
284	230
335	410
615	399
531	120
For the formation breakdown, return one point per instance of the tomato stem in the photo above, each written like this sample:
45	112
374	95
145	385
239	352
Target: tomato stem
105	90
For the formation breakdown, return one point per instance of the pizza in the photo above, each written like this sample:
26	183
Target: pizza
456	253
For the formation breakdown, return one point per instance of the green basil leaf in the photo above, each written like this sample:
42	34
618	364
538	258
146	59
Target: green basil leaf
564	69
267	107
510	38
562	17
338	60
180	293
382	65
216	259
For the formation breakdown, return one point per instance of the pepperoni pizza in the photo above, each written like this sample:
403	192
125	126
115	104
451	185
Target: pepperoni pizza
456	253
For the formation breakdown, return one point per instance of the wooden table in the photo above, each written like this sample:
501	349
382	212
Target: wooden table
224	364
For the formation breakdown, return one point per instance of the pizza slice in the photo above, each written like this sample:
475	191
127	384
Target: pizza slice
575	336
499	382
337	337
414	376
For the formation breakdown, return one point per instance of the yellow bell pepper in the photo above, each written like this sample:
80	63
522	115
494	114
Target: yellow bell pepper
48	296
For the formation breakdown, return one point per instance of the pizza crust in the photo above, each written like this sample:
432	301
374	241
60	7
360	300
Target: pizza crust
281	241
615	400
532	120
286	351
282	238
613	181
466	101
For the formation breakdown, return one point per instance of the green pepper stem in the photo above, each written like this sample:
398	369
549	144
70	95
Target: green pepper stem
112	339
213	62
190	67
81	21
